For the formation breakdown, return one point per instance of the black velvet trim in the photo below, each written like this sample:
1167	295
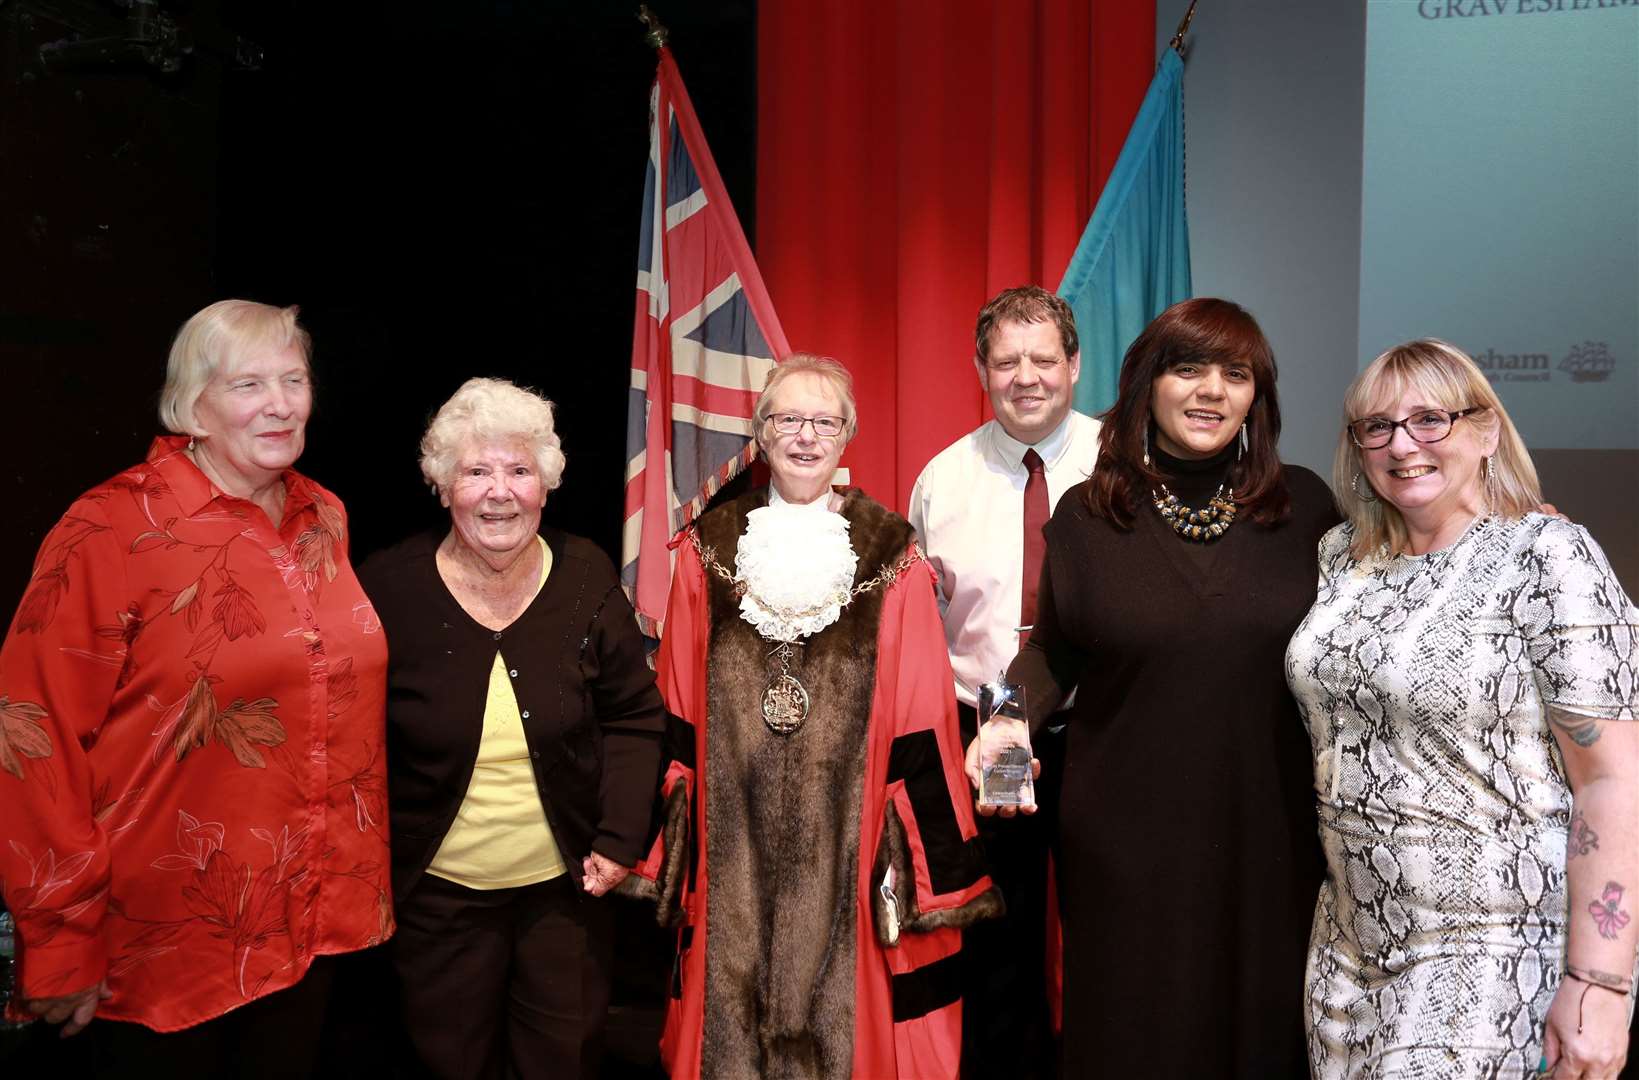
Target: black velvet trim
953	863
678	743
685	937
678	746
927	989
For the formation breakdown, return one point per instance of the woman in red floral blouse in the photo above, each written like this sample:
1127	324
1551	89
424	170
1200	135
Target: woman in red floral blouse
191	728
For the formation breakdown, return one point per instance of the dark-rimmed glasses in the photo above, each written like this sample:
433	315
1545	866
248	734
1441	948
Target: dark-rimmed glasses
826	427
1424	426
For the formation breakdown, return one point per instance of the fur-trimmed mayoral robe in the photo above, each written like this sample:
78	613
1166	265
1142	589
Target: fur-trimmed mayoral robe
793	963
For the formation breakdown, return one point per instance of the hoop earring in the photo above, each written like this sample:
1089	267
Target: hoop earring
1242	452
1146	445
1367	495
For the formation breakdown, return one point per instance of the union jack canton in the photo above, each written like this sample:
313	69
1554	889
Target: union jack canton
703	341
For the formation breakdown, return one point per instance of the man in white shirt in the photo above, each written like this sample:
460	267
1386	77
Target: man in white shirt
978	508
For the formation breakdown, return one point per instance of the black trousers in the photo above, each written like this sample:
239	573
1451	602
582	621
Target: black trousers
272	1038
1006	1025
504	982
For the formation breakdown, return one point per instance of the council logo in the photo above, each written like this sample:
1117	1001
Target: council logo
1590	361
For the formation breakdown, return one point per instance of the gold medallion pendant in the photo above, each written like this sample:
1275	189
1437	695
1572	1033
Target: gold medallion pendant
785	704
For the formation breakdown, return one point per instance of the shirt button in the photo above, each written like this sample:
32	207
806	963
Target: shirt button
535	753
513	673
496	635
525	714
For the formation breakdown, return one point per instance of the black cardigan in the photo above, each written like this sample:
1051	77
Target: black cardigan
592	715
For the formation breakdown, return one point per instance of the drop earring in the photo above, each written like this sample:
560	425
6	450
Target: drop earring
1146	446
1243	442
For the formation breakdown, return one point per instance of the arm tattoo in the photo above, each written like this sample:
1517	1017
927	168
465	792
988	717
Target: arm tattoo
1583	838
1583	730
1607	911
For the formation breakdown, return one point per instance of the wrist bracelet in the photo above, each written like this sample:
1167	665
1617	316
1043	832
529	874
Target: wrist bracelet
1600	979
1589	984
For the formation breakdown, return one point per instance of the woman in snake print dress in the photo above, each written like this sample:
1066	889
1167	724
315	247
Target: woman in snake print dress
1467	675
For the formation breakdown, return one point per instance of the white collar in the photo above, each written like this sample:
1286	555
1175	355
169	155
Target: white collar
1050	448
796	568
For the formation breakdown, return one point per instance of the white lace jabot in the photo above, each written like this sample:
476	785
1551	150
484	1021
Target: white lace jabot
796	566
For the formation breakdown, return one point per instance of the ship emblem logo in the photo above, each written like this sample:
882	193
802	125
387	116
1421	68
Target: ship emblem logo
1590	361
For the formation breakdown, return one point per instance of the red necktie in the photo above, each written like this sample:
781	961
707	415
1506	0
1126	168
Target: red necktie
1036	512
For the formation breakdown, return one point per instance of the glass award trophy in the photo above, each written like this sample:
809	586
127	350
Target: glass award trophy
1004	746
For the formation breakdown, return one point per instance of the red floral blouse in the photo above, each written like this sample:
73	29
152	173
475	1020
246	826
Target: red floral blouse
192	794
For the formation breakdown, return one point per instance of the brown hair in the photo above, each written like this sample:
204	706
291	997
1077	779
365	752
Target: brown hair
1025	304
1199	331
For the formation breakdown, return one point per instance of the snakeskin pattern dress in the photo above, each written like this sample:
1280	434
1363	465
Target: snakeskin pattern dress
1439	933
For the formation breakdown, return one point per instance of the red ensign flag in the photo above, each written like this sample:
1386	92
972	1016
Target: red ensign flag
703	340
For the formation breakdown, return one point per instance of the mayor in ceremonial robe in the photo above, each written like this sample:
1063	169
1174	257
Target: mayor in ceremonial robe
818	846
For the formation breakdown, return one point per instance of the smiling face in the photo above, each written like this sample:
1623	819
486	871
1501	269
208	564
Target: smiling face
1431	484
253	415
496	498
802	464
1199	407
1029	379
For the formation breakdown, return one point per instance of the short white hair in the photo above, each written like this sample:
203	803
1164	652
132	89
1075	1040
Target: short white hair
823	367
491	410
211	341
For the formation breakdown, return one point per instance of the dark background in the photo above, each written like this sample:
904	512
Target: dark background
447	190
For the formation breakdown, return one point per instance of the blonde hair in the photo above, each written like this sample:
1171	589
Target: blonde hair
491	410
1441	374
802	363
210	341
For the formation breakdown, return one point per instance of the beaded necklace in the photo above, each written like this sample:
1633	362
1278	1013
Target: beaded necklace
1205	524
1212	520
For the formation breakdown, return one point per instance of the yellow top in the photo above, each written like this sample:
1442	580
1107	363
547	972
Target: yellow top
500	838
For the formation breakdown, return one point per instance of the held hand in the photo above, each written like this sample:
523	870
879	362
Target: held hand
970	765
1599	1052
73	1011
601	874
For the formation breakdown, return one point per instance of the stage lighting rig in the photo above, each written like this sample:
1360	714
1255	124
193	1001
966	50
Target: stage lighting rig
130	33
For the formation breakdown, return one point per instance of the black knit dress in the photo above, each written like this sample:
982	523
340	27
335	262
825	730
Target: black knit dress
1189	861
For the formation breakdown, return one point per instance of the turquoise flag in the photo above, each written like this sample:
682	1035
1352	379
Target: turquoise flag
1133	261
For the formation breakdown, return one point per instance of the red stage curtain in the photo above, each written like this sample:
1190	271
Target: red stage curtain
913	159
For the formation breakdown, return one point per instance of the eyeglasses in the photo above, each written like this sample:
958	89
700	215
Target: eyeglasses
825	427
1428	426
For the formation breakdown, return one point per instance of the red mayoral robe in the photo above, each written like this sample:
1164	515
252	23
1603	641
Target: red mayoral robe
821	878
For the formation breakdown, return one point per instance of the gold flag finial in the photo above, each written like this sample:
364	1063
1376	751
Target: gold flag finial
657	34
1177	41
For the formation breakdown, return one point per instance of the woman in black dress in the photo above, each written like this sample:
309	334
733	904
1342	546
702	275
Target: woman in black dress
1173	580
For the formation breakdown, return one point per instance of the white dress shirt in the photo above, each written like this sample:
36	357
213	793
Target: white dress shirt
968	509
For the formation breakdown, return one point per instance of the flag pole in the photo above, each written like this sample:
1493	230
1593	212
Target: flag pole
657	34
1177	41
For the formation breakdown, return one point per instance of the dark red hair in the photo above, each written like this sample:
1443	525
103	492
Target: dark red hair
1199	331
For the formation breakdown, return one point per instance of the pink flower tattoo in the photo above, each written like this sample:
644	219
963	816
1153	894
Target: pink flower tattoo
1607	913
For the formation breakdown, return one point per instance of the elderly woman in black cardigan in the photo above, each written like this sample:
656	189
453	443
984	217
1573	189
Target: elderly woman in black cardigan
523	751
